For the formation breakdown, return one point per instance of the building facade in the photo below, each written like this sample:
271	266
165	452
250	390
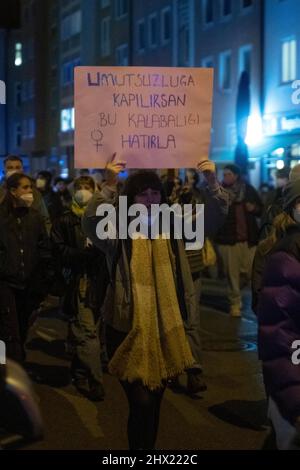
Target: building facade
281	110
259	37
228	37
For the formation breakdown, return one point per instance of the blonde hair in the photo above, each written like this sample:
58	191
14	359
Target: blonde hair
279	227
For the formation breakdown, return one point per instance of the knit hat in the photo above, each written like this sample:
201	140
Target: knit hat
290	193
233	168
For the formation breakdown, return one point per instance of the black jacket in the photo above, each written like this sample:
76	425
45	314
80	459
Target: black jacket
25	254
76	260
69	244
227	234
53	203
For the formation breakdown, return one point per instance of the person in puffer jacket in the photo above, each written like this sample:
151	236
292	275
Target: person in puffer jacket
279	327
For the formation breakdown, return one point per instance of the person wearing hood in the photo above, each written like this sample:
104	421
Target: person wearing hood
279	325
81	263
14	164
25	263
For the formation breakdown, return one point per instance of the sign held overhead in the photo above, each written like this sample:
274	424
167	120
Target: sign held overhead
152	117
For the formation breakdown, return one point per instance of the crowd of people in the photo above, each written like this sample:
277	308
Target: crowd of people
134	305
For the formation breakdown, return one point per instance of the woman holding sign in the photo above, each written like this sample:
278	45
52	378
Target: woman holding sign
149	302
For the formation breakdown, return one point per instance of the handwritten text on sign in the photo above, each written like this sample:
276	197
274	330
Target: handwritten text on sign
152	117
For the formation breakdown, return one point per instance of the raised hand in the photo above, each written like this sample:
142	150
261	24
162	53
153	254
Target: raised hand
113	169
208	169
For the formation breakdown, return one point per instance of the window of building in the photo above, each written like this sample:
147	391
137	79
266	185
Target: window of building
166	25
152	30
245	59
31	90
225	70
30	49
122	55
105	3
207	62
18	135
208	11
105	36
68	71
24	91
71	25
18	54
26	14
141	36
184	46
31	128
67	119
18	94
247	3
66	74
121	8
24	129
289	61
231	135
226	8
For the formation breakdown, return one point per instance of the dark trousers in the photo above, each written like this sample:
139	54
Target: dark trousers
16	306
144	404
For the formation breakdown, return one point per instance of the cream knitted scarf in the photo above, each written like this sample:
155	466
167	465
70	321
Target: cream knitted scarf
156	348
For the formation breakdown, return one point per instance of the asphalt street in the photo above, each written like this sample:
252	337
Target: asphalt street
231	414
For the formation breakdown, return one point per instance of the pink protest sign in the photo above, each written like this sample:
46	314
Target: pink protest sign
153	117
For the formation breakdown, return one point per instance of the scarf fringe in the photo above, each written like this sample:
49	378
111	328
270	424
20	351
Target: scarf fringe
117	366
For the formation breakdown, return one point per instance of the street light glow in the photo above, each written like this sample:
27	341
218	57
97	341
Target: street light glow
280	164
254	130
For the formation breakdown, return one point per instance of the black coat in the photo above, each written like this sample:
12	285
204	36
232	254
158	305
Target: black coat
69	244
227	234
25	253
53	203
76	260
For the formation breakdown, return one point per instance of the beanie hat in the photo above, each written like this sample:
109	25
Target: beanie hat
233	168
290	193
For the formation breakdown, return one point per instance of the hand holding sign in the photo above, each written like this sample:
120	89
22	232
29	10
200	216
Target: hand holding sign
208	169
113	169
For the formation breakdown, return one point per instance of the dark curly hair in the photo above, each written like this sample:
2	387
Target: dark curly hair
139	181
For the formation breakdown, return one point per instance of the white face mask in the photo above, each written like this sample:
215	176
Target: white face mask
148	219
27	199
11	172
40	183
82	197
